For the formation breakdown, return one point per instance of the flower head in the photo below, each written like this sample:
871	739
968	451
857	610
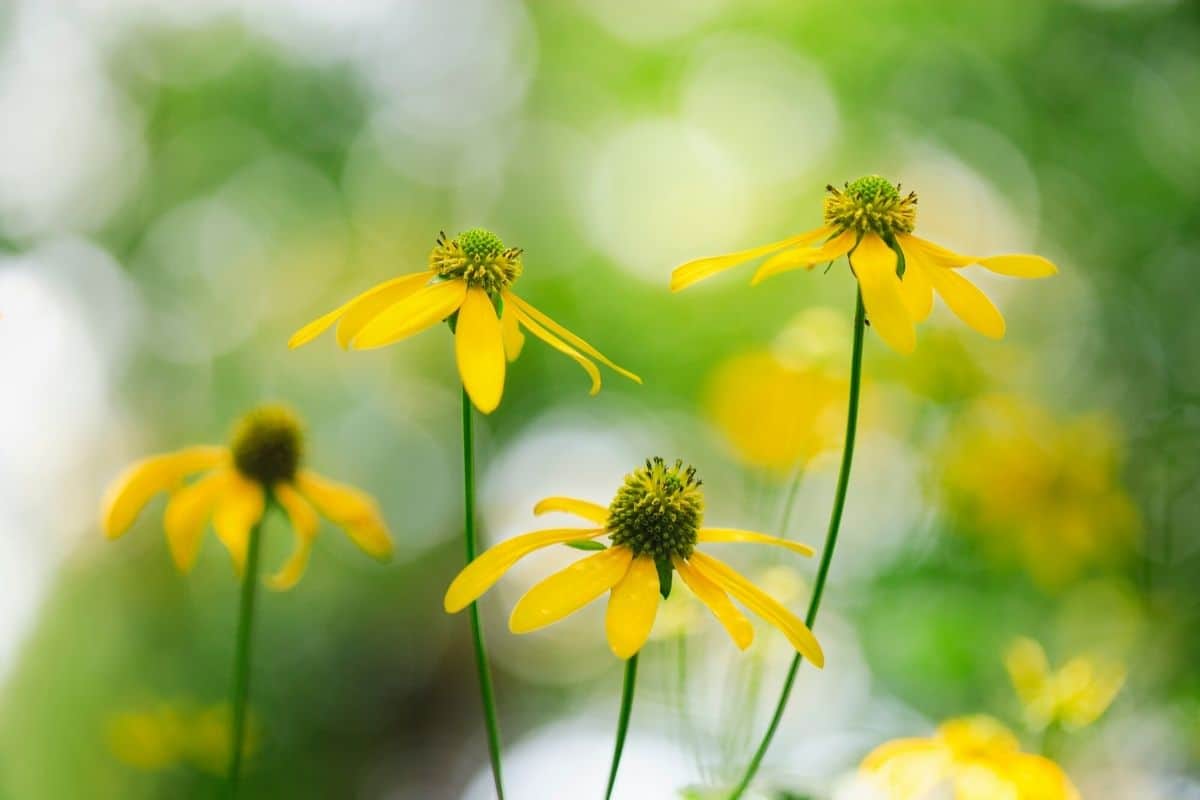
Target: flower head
654	525
871	222
264	461
1074	695
468	282
977	758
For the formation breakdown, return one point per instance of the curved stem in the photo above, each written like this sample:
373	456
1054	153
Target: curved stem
240	691
622	721
486	692
835	521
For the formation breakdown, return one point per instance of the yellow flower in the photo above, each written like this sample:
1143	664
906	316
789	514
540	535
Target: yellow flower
1074	695
263	461
468	280
653	526
170	735
977	758
774	415
872	224
1042	492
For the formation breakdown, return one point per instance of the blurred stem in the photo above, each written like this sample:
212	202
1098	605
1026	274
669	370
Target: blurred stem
622	721
486	692
831	535
241	660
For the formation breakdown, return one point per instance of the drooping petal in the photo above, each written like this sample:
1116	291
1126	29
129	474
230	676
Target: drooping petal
422	309
875	265
835	248
1020	266
315	328
935	255
695	271
632	607
510	329
562	347
569	590
914	285
188	511
305	522
482	573
364	308
238	510
135	487
967	302
714	597
352	510
479	350
735	535
762	604
593	512
567	336
369	298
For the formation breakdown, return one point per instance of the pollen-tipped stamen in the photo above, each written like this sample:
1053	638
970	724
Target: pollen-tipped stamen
658	511
268	445
478	257
871	204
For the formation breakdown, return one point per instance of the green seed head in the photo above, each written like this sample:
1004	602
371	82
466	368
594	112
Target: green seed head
871	204
268	445
658	511
478	257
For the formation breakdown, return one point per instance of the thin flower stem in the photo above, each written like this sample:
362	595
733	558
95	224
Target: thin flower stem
240	691
835	521
622	721
486	692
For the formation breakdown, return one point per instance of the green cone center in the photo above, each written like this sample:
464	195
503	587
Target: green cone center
268	445
658	511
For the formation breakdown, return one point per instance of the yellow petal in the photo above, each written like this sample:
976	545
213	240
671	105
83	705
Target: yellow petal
1020	266
694	271
315	328
967	302
479	350
305	522
352	510
1027	669
632	607
1036	778
914	285
593	512
835	248
187	512
567	336
875	265
714	597
364	308
482	573
762	604
562	347
935	255
510	329
370	298
735	535
423	308
239	509
135	487
569	590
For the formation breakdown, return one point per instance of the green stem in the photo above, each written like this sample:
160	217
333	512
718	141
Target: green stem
622	721
835	521
241	661
486	692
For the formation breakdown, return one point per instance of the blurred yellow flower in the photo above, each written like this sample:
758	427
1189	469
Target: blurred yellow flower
871	224
263	461
773	415
1040	491
975	758
468	279
653	525
943	371
1074	695
172	735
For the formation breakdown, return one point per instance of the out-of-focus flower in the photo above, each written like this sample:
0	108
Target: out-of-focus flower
976	758
943	371
1042	492
871	224
773	415
174	734
1074	695
468	280
653	525
262	461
